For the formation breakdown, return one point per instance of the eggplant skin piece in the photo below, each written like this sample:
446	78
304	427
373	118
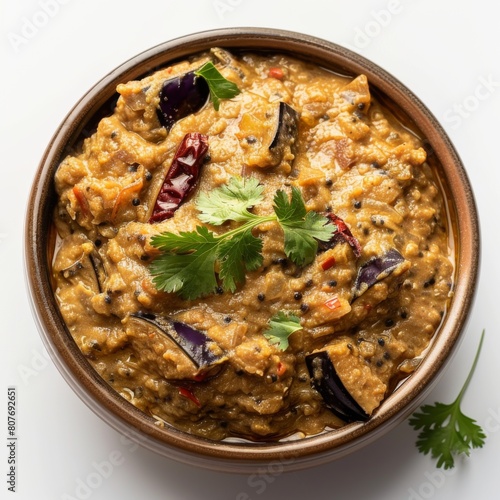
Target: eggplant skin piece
336	397
181	96
96	265
195	344
286	132
99	270
377	269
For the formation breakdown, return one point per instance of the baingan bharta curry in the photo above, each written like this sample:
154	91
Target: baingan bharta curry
251	246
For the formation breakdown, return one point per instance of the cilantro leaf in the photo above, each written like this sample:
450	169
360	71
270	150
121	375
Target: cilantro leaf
302	229
230	202
220	87
280	327
237	254
444	430
289	209
184	256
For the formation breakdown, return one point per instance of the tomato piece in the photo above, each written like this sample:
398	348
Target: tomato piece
276	72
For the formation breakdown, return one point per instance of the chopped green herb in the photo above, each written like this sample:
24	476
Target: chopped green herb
220	87
281	326
444	430
189	260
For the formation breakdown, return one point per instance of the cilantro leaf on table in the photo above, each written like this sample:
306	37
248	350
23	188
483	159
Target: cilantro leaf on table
191	263
444	430
302	229
280	327
220	87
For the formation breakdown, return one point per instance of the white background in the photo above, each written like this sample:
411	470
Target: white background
445	51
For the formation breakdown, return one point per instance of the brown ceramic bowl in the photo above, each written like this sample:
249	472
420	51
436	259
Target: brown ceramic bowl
238	455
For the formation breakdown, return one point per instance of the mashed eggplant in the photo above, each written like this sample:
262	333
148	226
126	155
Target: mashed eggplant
368	304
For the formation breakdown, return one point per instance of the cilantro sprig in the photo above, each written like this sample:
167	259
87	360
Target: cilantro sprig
444	430
192	263
220	87
280	327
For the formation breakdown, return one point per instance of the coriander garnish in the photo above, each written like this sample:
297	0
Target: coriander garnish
191	262
445	430
280	327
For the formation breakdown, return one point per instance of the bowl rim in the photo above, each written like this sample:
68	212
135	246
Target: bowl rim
133	423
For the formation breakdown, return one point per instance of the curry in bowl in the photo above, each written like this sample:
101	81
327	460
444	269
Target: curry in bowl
251	246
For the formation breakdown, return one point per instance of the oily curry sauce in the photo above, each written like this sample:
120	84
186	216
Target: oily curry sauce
348	156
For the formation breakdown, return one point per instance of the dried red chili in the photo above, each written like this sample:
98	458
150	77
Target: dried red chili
328	263
333	303
344	233
82	201
181	177
189	395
